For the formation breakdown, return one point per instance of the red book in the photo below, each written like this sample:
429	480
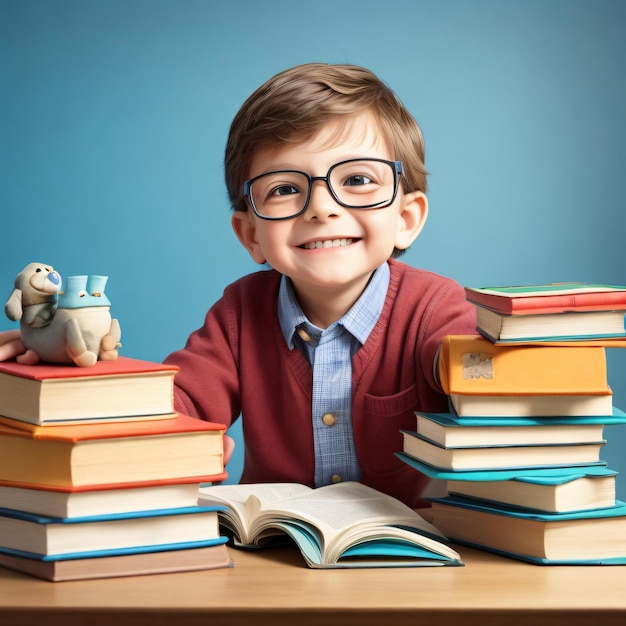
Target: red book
124	389
551	298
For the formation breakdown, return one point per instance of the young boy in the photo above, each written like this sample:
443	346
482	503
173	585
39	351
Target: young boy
327	355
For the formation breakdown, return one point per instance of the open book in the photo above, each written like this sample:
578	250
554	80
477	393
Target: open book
342	525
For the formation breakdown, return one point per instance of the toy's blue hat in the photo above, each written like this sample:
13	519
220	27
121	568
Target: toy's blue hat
84	291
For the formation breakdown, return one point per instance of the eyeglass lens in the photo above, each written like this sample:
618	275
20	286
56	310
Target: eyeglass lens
355	184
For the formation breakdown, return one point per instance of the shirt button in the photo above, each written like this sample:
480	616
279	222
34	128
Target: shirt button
304	335
328	419
336	478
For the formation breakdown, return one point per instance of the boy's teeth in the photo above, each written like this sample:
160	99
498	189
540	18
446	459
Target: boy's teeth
328	243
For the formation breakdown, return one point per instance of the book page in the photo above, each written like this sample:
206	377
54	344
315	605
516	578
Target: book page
238	499
337	507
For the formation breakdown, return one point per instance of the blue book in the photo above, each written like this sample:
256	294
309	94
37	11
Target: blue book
596	537
44	536
139	561
437	473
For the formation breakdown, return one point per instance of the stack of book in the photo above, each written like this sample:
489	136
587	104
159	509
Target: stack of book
560	311
520	448
99	477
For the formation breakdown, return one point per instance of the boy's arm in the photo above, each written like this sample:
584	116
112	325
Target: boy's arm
207	385
454	316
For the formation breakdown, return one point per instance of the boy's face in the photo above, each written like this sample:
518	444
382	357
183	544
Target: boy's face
354	242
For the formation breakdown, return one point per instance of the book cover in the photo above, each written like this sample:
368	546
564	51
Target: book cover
124	388
169	559
590	537
549	298
472	365
42	535
127	452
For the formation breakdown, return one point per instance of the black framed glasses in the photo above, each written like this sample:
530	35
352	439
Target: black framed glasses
354	184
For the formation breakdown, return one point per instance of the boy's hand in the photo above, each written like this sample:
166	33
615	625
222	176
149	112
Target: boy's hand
10	344
229	447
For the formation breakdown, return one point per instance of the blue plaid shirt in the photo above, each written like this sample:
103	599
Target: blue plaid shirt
330	353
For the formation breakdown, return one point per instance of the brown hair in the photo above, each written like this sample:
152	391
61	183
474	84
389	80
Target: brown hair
296	103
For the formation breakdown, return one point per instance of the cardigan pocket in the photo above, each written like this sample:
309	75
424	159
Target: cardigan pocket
384	418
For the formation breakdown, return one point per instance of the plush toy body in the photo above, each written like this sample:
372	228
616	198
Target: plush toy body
71	326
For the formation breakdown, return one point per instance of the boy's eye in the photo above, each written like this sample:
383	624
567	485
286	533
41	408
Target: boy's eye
284	190
357	180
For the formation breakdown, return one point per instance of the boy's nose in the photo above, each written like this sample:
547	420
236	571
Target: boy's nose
322	205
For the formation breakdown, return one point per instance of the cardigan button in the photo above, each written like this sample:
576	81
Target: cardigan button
336	478
328	419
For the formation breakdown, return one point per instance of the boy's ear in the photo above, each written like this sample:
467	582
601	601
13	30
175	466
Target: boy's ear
413	214
245	228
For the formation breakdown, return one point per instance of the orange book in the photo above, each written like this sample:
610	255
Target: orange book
109	454
485	379
124	389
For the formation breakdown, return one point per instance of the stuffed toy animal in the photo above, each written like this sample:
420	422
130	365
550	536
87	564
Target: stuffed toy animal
70	326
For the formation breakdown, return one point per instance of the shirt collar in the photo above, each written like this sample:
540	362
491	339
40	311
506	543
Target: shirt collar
358	321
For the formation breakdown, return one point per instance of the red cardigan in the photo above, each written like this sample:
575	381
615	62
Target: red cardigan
238	363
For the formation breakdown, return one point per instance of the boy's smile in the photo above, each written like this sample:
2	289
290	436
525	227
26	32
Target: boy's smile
329	252
327	243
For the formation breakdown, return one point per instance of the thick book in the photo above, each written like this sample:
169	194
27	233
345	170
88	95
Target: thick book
124	389
550	298
573	491
494	457
596	537
343	525
38	535
447	429
69	502
206	555
553	489
569	326
483	379
107	454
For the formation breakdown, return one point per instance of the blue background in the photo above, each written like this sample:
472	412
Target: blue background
114	117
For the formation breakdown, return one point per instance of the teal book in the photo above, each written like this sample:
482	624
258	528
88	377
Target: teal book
50	536
447	429
490	457
596	537
138	561
559	493
500	474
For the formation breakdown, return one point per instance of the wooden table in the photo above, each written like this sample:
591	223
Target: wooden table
275	587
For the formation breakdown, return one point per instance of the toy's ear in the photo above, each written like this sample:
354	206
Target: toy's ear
13	307
244	225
